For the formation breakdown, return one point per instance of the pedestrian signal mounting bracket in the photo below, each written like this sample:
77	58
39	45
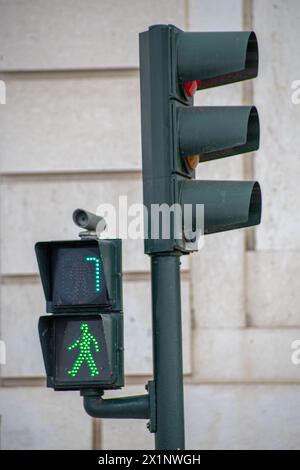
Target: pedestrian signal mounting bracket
133	407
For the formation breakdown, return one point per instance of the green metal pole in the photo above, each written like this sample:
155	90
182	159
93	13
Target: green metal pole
167	351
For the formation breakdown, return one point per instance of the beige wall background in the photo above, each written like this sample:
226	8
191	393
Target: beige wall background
70	137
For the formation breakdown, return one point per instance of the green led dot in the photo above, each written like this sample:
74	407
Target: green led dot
97	271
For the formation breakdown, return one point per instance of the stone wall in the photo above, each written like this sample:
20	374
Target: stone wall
70	137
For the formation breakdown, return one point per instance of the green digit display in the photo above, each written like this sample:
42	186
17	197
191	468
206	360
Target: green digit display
84	343
97	271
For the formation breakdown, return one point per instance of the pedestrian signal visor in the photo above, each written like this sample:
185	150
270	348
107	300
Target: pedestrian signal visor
80	275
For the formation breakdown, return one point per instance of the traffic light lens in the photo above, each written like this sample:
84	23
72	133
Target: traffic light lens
192	161
78	277
191	87
81	351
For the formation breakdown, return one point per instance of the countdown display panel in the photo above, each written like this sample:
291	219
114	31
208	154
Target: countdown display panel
78	277
81	351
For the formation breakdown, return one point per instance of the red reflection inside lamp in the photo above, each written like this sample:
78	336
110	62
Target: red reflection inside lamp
192	87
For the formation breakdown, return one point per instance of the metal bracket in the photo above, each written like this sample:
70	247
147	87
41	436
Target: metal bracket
135	407
150	387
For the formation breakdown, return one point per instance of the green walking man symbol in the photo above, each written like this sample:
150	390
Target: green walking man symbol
84	343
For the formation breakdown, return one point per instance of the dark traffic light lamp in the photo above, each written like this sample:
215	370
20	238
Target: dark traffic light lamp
176	136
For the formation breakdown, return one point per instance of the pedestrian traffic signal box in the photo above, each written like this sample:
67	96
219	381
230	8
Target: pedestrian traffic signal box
176	135
81	275
82	342
83	350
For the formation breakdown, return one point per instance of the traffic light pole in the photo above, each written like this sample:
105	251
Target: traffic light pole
167	350
176	136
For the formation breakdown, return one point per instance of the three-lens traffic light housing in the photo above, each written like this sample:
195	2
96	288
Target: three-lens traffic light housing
176	135
82	342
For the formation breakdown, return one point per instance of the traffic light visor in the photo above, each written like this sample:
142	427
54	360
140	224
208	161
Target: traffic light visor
216	58
228	205
217	131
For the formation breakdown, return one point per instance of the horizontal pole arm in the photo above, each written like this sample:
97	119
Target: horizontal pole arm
136	407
